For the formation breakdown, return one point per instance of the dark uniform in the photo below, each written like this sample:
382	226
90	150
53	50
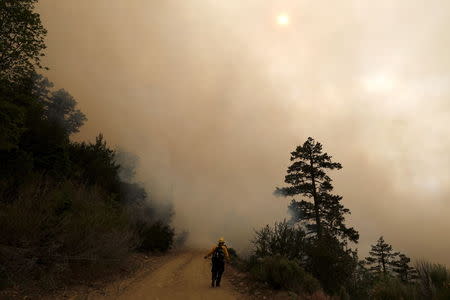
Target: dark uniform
219	253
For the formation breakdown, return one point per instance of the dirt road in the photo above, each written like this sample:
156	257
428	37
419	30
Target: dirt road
185	276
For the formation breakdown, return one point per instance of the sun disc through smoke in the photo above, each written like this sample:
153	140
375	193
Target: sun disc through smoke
283	19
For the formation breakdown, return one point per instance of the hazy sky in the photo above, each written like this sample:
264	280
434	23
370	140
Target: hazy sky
213	95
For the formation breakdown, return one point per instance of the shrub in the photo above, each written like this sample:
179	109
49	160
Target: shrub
53	229
282	239
332	264
247	264
360	285
232	253
282	273
388	288
94	164
433	279
154	237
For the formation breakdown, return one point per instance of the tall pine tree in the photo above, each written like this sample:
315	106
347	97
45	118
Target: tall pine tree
320	211
382	258
322	214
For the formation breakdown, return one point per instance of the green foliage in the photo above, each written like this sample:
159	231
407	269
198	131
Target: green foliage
21	39
154	237
283	239
282	273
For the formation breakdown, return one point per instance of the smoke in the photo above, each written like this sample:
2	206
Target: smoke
142	206
213	95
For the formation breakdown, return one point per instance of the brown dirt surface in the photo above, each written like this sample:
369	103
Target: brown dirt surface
185	276
177	275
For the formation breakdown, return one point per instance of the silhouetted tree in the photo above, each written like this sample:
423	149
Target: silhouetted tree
94	164
321	214
382	258
21	39
12	119
61	109
322	211
59	106
42	87
402	268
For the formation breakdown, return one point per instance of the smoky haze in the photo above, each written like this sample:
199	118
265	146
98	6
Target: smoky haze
213	95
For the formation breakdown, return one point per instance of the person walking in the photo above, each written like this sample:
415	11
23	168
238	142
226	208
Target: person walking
218	255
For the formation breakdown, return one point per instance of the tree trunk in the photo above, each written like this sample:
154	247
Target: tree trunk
383	263
316	201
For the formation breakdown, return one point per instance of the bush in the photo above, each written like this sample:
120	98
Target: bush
282	239
433	280
332	264
360	285
154	237
232	253
388	288
94	164
282	273
52	229
246	264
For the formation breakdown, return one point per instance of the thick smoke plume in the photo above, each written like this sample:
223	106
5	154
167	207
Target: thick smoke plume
213	95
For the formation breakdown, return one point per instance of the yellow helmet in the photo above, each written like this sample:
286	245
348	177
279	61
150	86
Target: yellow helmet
221	240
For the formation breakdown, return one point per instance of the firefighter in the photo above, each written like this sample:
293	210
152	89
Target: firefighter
218	255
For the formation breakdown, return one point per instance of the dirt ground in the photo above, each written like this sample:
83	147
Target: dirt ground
177	275
185	276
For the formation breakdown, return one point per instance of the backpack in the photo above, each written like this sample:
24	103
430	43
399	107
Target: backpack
218	255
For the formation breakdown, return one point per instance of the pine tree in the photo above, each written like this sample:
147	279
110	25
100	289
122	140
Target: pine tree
320	211
382	258
402	268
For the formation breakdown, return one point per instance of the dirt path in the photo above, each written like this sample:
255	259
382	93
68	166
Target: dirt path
186	276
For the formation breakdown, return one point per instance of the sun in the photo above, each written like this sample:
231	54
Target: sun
283	19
